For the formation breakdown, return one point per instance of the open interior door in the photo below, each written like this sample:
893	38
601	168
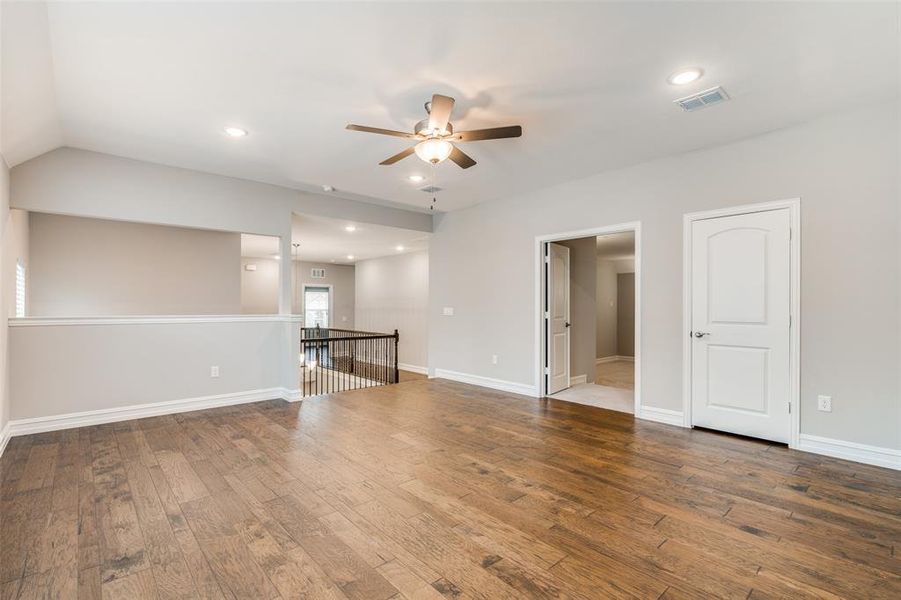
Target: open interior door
557	318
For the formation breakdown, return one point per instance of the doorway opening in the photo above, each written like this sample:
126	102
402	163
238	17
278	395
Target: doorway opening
589	317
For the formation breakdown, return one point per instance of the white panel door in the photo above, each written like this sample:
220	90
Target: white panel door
740	319
558	318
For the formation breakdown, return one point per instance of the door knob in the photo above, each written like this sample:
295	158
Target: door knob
700	334
567	324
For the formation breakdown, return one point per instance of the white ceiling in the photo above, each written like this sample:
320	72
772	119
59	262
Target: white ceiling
616	245
587	81
259	246
326	240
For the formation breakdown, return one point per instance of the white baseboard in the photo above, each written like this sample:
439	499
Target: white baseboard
578	379
862	453
140	411
487	382
413	368
662	415
290	395
606	359
4	438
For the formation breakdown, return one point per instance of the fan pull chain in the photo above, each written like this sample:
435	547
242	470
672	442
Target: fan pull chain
434	184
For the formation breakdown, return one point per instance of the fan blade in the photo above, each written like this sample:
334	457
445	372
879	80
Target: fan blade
440	112
398	156
461	158
366	129
494	133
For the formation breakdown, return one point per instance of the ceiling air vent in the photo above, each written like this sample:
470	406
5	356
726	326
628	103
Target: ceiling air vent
430	189
702	99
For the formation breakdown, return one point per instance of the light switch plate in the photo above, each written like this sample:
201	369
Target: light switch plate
448	311
214	371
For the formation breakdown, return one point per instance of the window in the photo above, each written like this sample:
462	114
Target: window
316	306
20	289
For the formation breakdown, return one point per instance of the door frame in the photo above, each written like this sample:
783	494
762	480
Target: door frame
331	301
794	207
541	286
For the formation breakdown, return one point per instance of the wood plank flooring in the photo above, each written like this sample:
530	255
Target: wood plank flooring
432	489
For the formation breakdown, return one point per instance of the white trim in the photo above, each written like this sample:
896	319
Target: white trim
139	411
4	438
289	395
578	379
607	359
413	368
151	320
662	415
862	453
540	349
487	382
794	207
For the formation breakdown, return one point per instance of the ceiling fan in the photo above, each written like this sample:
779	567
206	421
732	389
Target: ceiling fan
435	135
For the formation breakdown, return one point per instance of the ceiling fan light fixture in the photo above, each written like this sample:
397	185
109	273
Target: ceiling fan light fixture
434	150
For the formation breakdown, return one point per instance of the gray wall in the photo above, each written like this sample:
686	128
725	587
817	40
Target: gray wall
342	280
88	184
85	267
259	288
74	368
844	167
91	184
583	275
393	293
606	309
5	253
625	314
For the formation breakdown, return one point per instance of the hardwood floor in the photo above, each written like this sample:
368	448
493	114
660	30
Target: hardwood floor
405	376
432	489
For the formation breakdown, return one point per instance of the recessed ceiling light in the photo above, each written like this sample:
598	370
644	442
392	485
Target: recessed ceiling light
235	132
684	76
350	257
350	228
416	178
399	248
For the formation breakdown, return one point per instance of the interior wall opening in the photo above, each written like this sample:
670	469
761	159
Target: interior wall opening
589	304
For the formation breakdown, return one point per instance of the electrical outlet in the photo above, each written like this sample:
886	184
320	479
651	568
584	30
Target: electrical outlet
214	371
824	403
494	359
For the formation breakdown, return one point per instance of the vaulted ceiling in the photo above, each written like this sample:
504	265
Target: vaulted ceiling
587	81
